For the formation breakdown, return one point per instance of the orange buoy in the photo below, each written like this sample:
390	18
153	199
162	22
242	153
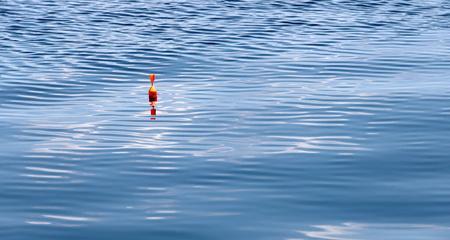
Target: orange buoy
152	93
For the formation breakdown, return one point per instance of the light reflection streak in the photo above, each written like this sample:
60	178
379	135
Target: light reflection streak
373	231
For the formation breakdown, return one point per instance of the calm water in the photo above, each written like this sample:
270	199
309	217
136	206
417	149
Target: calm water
280	119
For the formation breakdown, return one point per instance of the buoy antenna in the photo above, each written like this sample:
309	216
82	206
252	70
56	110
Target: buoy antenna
152	78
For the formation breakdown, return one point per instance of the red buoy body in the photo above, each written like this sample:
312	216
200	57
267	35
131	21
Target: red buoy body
152	93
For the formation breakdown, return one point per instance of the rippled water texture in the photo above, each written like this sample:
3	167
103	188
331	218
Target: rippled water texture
276	120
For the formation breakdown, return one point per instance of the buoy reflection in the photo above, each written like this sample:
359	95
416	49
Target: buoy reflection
153	111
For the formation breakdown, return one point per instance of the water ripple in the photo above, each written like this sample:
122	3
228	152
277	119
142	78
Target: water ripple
276	119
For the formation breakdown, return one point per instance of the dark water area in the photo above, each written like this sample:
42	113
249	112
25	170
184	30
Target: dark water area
280	119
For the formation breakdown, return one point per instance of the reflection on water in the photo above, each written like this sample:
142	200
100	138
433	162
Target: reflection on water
350	231
275	119
153	112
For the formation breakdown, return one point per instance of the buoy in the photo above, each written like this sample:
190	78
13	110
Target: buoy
152	93
152	97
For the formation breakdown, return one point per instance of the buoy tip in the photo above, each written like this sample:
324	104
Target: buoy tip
152	77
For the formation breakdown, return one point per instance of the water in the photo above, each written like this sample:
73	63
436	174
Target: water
276	120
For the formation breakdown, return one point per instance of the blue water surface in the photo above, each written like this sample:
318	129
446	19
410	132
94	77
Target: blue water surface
277	119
